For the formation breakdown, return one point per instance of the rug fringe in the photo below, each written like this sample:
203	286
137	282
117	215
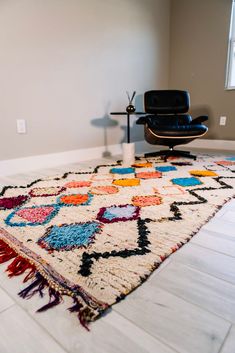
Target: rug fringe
55	298
30	275
18	266
77	307
6	252
36	286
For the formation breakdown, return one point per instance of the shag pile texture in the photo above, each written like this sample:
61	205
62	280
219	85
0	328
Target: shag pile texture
97	234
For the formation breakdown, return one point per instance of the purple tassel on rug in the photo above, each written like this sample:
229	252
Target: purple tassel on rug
55	299
36	286
77	308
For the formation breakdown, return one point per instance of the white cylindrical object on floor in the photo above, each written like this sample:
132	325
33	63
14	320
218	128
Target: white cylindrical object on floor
128	152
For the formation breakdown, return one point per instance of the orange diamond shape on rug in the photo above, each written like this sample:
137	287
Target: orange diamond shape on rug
75	199
148	175
127	182
203	173
149	200
142	165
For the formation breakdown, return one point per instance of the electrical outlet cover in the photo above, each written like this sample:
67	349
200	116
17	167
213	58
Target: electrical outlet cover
222	120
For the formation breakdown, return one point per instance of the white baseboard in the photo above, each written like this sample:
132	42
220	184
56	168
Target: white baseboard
222	145
26	164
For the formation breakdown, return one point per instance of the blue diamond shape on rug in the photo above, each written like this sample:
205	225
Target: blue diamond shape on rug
119	213
167	168
69	236
186	181
122	170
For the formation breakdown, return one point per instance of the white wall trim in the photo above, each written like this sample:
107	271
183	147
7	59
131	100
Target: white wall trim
26	164
223	145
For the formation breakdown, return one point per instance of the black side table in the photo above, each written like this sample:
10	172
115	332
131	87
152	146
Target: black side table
128	120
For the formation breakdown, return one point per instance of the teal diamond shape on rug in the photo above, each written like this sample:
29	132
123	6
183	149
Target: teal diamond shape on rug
69	236
167	168
122	170
186	181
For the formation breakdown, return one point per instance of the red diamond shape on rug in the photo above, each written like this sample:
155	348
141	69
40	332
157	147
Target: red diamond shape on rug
6	203
36	214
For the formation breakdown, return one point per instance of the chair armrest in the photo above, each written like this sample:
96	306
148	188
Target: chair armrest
142	120
199	119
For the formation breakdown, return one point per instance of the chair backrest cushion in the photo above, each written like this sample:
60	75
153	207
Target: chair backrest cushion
166	102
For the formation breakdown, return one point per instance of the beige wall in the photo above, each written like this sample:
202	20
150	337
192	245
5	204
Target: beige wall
198	54
64	63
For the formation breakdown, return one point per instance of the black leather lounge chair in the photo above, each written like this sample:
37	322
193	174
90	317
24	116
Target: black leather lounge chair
168	123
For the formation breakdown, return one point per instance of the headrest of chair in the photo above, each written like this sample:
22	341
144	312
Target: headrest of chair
166	102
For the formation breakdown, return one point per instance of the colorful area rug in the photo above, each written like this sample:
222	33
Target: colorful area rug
97	234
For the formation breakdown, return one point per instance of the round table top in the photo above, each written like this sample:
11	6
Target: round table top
124	113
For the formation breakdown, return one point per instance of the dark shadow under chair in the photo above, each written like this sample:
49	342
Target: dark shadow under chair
168	122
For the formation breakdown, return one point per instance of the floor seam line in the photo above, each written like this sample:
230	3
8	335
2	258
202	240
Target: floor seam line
216	251
142	329
225	339
205	273
196	305
38	323
191	266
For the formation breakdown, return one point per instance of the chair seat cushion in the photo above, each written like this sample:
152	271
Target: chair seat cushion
172	125
169	119
180	125
178	130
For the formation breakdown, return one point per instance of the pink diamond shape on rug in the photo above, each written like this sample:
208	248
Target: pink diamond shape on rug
104	190
78	184
36	214
225	163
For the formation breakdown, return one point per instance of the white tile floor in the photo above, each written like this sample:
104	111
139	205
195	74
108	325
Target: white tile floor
186	306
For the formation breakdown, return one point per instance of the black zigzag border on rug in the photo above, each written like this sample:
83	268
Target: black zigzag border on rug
143	242
64	176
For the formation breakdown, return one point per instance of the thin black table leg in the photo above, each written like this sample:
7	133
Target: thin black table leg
128	128
128	120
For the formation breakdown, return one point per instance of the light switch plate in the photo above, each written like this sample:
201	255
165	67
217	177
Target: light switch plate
21	126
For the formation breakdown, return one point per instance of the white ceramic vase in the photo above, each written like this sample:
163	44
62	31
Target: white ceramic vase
128	152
